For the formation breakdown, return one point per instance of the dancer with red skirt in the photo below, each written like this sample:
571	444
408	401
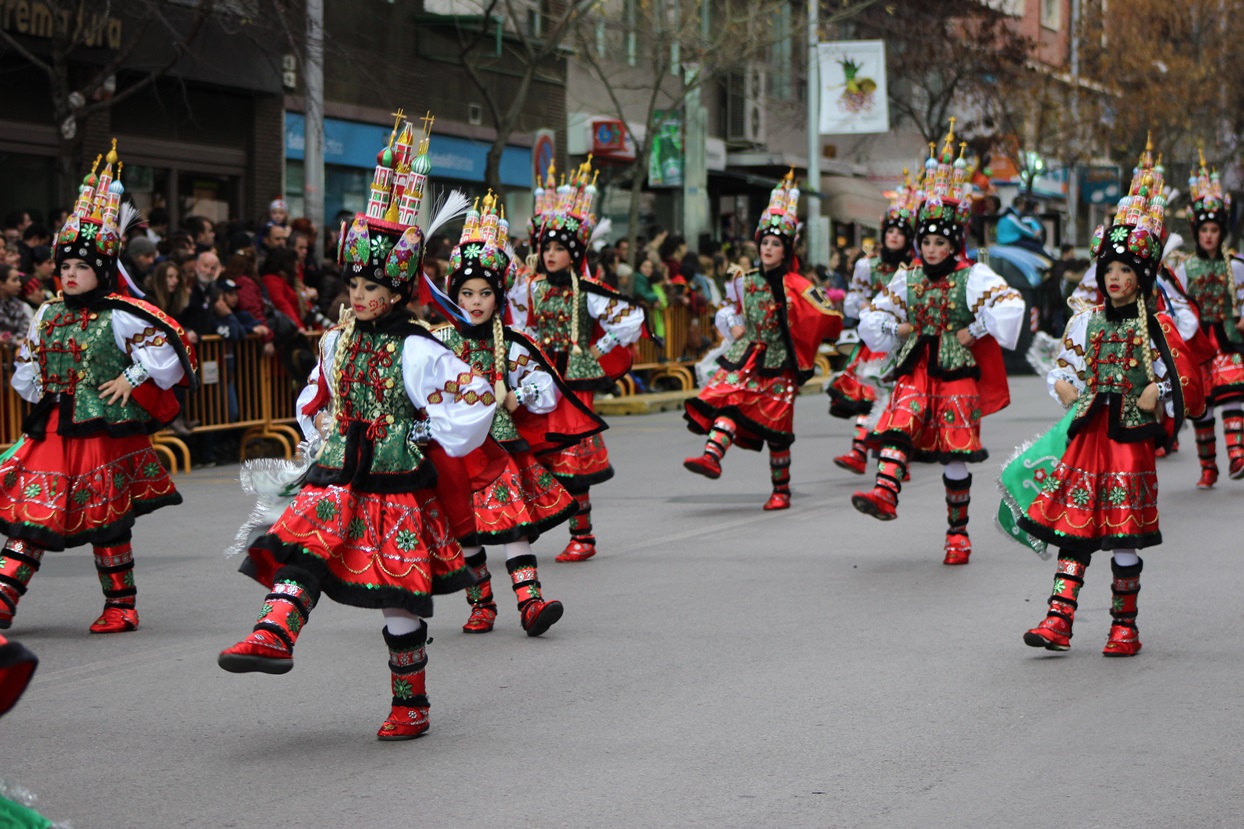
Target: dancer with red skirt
99	366
946	319
777	321
584	326
367	529
1124	372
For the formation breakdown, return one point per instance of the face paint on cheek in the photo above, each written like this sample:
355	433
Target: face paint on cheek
376	305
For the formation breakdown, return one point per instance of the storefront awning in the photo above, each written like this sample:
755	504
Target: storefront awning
849	199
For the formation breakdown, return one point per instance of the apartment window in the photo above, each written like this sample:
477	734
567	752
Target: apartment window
1052	14
781	56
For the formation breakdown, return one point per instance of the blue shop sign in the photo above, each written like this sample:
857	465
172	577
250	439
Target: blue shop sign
353	144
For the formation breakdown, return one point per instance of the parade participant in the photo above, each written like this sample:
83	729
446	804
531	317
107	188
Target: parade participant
849	395
777	320
1216	287
517	498
366	530
946	319
586	328
99	366
1120	370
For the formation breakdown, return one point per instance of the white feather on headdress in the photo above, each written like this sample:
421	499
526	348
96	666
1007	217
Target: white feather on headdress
452	206
600	234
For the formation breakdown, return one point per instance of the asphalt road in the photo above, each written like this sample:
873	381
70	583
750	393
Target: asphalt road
717	666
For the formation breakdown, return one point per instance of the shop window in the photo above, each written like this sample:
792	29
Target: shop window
26	183
213	197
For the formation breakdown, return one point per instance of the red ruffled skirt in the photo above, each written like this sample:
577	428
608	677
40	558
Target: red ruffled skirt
1224	378
848	395
586	462
938	420
61	492
762	406
1103	495
375	549
524	501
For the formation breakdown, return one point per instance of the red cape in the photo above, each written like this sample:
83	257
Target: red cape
811	320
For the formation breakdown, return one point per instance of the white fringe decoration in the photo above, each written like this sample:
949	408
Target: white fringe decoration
452	206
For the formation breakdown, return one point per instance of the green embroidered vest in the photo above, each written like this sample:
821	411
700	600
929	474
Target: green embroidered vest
937	309
479	355
551	309
1210	286
372	406
1114	364
879	276
77	352
761	323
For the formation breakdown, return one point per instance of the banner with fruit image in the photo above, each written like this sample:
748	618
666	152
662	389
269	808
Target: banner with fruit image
853	87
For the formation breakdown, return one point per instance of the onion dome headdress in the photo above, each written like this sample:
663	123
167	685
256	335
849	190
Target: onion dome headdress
944	203
1209	203
902	211
385	245
781	217
1135	236
565	214
481	252
94	230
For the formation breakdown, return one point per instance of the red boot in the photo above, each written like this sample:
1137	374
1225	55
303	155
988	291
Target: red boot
879	502
536	614
270	647
1233	434
1207	452
19	561
579	549
778	500
705	465
479	596
958	548
1124	638
853	461
115	565
408	657
1054	633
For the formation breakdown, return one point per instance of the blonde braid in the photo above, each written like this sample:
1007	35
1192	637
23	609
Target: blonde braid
1143	316
574	313
346	321
498	357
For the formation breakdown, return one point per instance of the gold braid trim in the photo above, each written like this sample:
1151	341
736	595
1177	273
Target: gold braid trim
574	313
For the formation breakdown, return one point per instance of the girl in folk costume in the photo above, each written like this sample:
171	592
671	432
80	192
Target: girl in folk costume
585	327
515	498
777	320
367	529
849	395
945	318
1215	285
99	367
1122	371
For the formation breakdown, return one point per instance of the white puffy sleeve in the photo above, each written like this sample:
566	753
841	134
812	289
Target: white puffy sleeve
858	292
27	381
879	325
1186	321
1237	278
533	386
519	300
622	321
154	357
1070	363
728	315
1181	274
458	401
1087	290
319	375
998	308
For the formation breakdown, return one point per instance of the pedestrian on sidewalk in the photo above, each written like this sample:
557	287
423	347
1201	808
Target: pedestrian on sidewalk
585	328
1125	374
777	320
99	367
944	319
367	529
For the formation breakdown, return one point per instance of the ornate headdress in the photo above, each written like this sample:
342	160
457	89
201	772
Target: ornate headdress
481	252
781	217
565	214
902	211
94	230
384	244
944	195
1135	236
1209	203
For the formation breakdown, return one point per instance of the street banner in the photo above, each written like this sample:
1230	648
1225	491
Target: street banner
853	87
665	160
